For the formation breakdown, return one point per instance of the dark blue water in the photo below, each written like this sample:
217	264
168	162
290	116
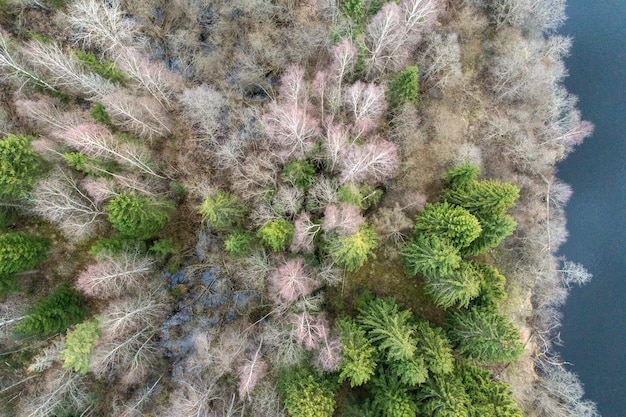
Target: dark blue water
594	325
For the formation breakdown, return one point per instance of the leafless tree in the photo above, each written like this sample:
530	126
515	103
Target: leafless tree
142	116
310	331
528	15
440	63
392	224
419	15
304	235
153	76
44	113
322	193
61	389
98	142
574	273
62	70
291	281
12	66
102	25
115	275
344	219
384	37
292	129
203	106
374	161
253	368
367	104
58	198
293	88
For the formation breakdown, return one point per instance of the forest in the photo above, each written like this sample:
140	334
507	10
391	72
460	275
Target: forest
304	208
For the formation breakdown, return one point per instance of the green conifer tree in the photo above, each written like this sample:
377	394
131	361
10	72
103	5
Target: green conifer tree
276	234
351	252
404	87
54	313
435	347
222	211
459	287
358	356
443	396
137	216
430	256
19	166
454	223
79	345
20	251
484	335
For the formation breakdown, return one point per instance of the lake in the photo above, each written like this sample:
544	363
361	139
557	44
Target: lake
594	323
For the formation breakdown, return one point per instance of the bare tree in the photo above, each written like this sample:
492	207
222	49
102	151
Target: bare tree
322	193
528	15
58	198
293	88
310	331
101	25
253	368
204	105
62	390
292	129
11	66
419	15
142	116
290	281
344	219
43	112
115	275
367	104
440	64
574	273
153	76
98	142
384	37
375	161
304	234
62	71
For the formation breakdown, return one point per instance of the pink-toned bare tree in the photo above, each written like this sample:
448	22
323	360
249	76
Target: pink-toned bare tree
291	281
375	161
114	275
292	129
366	102
43	113
344	219
304	234
293	87
142	116
253	368
310	331
335	143
329	355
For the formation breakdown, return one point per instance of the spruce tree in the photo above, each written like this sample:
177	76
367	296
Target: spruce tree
222	211
276	234
359	355
19	166
137	216
484	335
430	256
54	313
453	223
20	251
